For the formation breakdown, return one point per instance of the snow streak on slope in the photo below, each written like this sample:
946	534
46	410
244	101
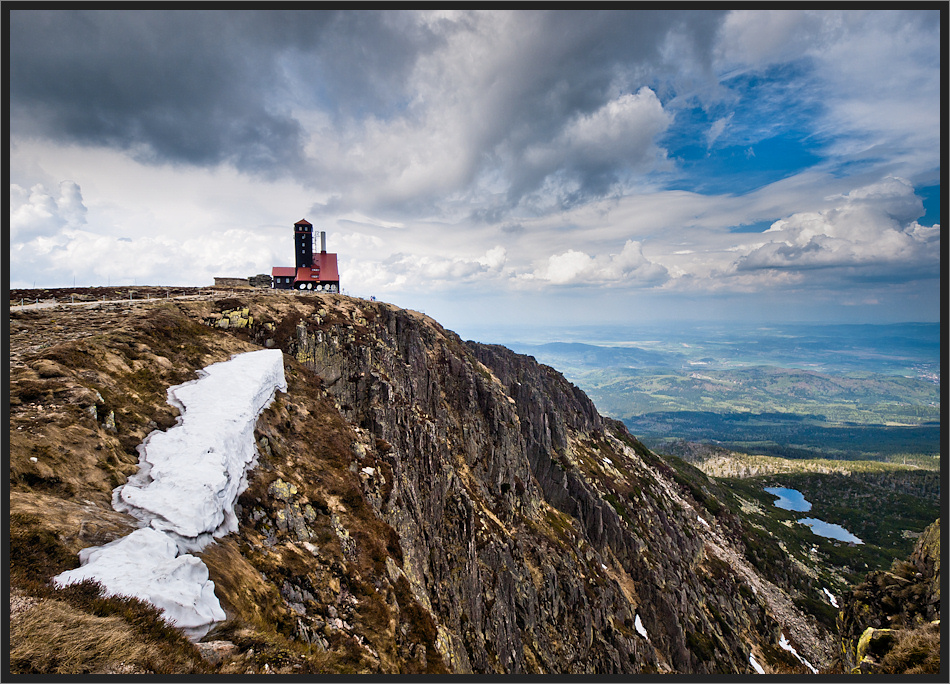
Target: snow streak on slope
188	482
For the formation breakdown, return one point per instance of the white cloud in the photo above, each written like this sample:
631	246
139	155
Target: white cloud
622	131
489	162
411	271
494	259
872	225
96	259
716	129
620	135
876	75
36	212
761	36
579	268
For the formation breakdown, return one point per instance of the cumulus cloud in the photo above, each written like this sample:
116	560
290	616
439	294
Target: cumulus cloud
593	149
96	259
51	244
35	212
573	267
871	226
517	148
204	87
410	271
385	109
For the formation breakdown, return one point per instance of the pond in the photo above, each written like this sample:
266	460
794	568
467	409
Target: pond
789	499
794	500
829	530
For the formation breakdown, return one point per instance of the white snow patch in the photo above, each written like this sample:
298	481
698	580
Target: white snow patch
700	519
190	476
145	564
641	630
184	493
755	664
831	597
783	642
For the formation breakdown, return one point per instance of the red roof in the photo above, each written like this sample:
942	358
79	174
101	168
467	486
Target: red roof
327	263
283	271
323	269
303	222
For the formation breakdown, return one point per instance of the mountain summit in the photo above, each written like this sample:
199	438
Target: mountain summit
419	504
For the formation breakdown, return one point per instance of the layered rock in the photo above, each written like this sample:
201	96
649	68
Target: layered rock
535	532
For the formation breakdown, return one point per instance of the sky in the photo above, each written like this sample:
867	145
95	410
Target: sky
491	167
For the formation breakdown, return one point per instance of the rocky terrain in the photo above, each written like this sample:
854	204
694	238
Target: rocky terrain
420	504
890	622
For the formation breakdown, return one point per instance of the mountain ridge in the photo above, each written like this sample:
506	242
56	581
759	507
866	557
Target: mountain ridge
421	503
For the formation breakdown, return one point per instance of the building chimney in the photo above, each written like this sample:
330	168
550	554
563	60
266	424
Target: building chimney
323	241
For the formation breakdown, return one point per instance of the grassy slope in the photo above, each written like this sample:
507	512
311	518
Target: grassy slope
885	505
65	462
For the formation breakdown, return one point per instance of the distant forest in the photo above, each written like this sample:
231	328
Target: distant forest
788	436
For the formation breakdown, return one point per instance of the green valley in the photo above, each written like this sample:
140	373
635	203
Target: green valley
836	391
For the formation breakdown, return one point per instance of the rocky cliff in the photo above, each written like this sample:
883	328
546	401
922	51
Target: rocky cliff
890	622
421	504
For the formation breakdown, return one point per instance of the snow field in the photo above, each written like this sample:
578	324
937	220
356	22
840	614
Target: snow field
831	597
146	564
184	493
196	470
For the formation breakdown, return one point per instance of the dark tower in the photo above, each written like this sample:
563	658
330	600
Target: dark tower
303	243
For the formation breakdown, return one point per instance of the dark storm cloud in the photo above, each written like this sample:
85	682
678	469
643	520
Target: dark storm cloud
194	87
211	87
568	66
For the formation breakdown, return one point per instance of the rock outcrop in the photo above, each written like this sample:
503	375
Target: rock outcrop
890	622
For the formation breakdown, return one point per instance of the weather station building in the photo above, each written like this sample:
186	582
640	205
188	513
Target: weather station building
313	270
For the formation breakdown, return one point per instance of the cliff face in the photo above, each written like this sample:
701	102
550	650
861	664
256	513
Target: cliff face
421	504
535	532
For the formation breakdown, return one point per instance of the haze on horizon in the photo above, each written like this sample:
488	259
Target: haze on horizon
491	167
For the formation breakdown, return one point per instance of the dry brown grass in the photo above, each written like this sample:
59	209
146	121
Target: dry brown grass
247	598
54	637
916	652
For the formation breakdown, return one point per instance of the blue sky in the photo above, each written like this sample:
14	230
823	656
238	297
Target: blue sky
504	166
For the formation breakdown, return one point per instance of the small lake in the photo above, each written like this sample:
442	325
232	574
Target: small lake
789	499
830	530
794	500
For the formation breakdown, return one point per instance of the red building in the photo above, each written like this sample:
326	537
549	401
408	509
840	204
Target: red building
313	270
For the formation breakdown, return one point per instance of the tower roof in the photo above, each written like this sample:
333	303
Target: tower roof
303	222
